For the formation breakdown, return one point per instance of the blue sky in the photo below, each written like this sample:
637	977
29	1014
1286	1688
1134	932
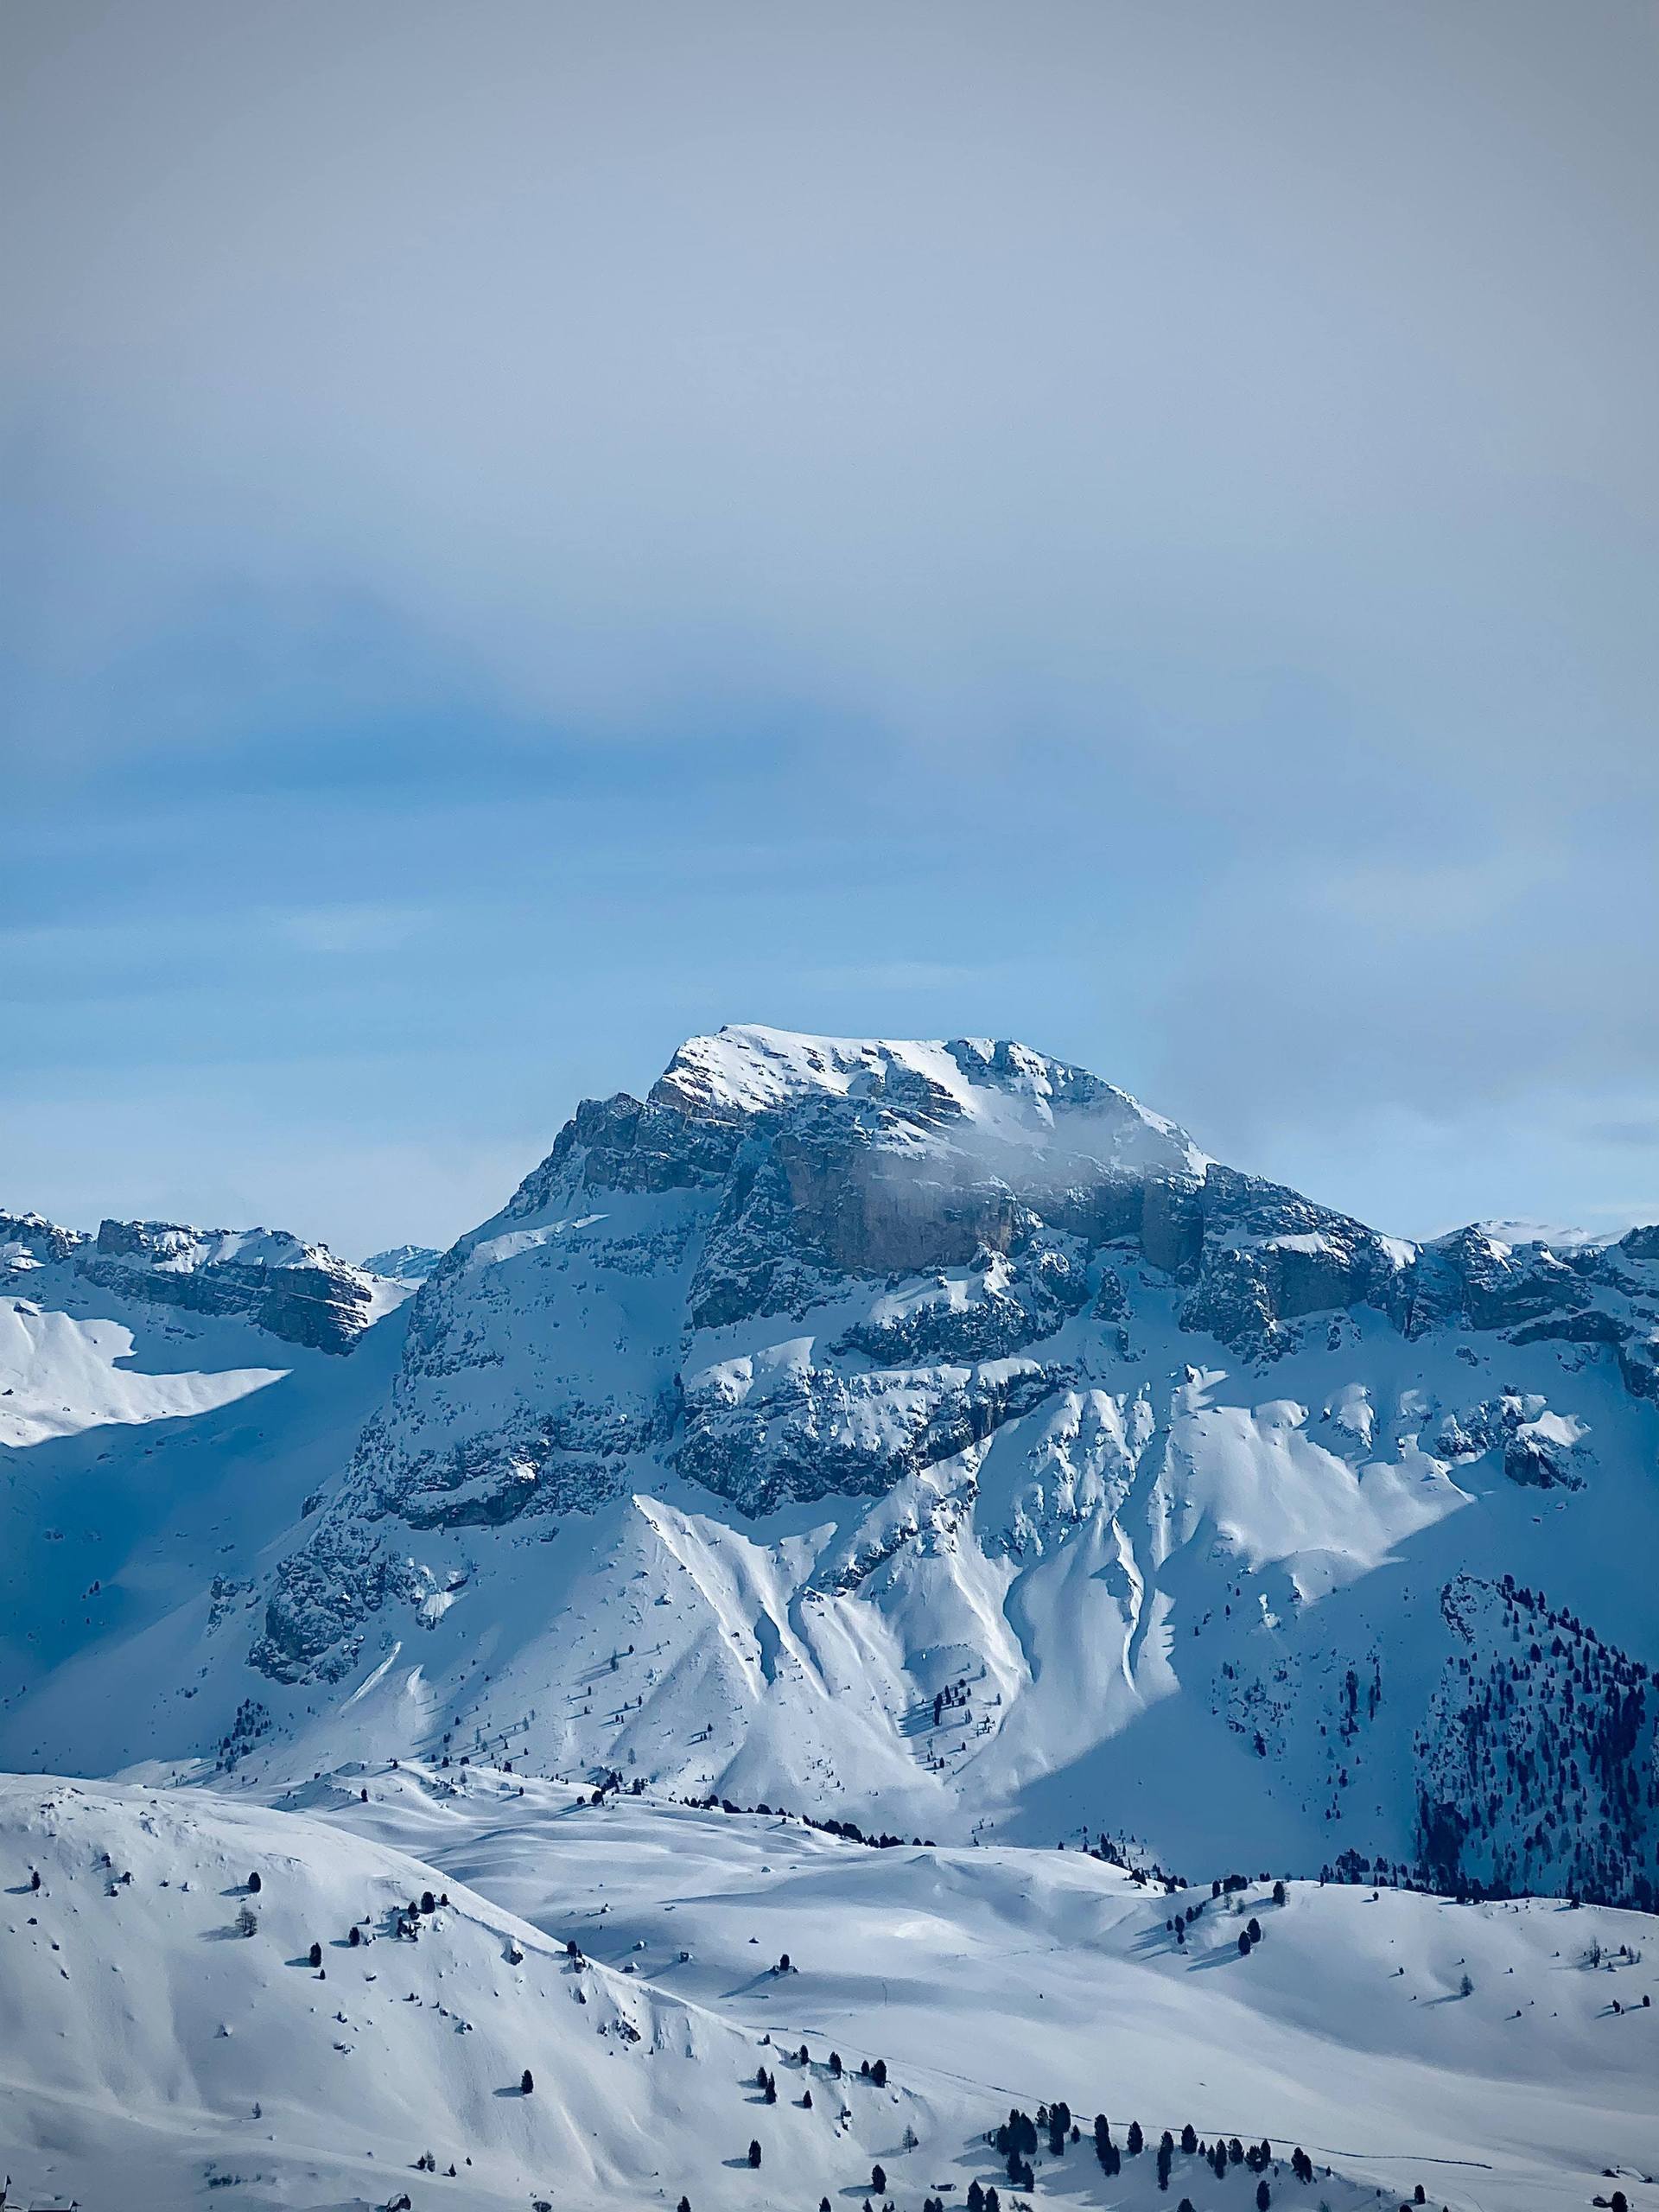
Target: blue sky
532	531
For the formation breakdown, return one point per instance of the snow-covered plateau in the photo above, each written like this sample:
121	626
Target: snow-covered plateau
922	1439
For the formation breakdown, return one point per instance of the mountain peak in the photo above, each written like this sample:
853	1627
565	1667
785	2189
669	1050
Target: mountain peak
996	1087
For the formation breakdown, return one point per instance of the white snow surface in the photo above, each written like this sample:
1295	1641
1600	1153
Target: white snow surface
59	1375
151	2056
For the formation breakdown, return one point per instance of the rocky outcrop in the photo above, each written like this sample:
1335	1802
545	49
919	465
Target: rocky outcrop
297	1291
1586	1293
1268	1257
29	1241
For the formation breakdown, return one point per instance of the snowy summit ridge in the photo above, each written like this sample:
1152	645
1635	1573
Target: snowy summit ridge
1019	1096
298	1292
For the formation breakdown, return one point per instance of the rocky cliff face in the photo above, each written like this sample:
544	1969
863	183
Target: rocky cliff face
297	1292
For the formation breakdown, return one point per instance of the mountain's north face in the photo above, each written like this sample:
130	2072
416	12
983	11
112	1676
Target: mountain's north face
928	1434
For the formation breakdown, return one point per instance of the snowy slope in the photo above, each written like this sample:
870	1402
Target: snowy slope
1013	1976
62	1374
169	1402
150	2053
931	1435
409	1264
154	2056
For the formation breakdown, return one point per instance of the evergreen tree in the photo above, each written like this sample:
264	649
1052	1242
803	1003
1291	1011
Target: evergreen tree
315	1954
526	2082
1137	2141
879	2181
1189	2139
254	1883
879	2073
1165	2152
1263	2196
754	2154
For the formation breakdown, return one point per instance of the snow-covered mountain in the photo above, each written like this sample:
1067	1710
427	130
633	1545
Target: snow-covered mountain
173	1280
169	1399
404	1263
930	1435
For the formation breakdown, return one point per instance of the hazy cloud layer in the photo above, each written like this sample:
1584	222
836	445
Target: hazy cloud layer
533	529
